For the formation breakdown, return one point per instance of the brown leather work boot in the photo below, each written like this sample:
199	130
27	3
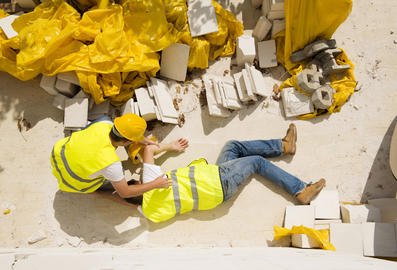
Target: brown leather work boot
289	141
310	191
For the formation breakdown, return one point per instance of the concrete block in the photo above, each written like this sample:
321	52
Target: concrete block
262	28
66	88
278	26
128	107
266	5
240	86
98	110
256	3
213	108
347	238
202	19
163	98
309	80
217	91
267	54
257	81
59	101
76	112
145	104
321	224
275	15
82	94
277	6
322	98
48	84
69	77
245	52
230	98
295	103
327	205
174	60
360	213
297	215
136	108
380	239
304	241
387	207
312	49
6	26
248	85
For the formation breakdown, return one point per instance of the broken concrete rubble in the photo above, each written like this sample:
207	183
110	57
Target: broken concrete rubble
164	101
309	80
146	104
241	88
213	107
257	81
262	28
328	61
202	18
312	49
322	98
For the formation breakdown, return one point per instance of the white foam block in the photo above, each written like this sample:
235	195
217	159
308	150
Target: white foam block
48	84
380	239
298	215
327	205
6	26
262	28
267	53
76	112
295	103
145	104
240	85
360	213
128	107
174	60
202	20
245	52
213	108
257	81
248	85
230	95
347	238
163	98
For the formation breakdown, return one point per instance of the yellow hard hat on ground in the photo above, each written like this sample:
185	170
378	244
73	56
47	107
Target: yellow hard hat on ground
130	126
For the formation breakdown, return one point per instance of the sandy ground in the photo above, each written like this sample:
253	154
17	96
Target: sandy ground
349	149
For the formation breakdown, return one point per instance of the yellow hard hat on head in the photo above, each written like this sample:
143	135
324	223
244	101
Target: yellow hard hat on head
131	126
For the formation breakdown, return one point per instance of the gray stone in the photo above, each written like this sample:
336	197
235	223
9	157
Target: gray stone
322	98
328	61
312	49
309	80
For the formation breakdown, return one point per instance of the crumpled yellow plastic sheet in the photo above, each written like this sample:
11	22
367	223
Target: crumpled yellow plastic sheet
320	236
306	21
113	50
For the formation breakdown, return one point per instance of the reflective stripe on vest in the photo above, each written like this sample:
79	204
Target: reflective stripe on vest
98	180
175	189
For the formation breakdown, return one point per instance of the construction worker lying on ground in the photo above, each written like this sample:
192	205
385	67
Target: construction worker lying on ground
82	161
201	186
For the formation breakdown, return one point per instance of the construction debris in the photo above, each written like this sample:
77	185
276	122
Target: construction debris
347	238
245	51
295	103
202	18
322	98
174	60
312	49
39	236
267	54
380	239
6	26
298	215
327	205
262	28
76	113
360	213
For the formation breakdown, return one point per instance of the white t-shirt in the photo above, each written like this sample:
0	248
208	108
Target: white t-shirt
113	172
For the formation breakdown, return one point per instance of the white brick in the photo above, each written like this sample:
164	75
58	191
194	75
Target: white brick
256	3
48	84
217	91
266	5
66	88
174	60
128	107
76	112
257	81
240	85
69	77
320	224
6	26
99	110
304	241
380	239
213	108
163	98
230	96
248	85
327	205
347	238
245	52
262	28
267	54
360	213
202	20
298	215
278	26
275	14
387	207
145	104
59	101
136	108
295	103
277	6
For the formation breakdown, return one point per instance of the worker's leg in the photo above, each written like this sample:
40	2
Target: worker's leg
236	171
238	149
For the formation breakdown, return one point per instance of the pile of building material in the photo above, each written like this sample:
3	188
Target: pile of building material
153	102
201	17
272	18
369	230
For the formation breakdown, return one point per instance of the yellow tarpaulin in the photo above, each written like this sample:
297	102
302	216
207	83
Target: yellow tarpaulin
306	21
113	50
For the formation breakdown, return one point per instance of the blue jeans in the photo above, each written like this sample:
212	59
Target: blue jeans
238	160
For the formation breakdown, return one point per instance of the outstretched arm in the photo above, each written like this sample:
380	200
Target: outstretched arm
175	146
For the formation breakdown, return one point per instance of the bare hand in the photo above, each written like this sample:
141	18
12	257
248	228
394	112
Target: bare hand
163	182
179	145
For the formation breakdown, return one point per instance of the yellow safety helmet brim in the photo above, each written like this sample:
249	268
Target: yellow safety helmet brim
131	126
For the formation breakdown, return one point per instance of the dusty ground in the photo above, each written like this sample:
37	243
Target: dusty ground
349	149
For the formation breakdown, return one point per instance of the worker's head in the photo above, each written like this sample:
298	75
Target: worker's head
128	128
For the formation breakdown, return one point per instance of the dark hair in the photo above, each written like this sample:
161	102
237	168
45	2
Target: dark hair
114	135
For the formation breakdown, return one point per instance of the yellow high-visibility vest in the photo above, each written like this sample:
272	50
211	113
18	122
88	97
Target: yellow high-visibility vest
78	156
196	187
